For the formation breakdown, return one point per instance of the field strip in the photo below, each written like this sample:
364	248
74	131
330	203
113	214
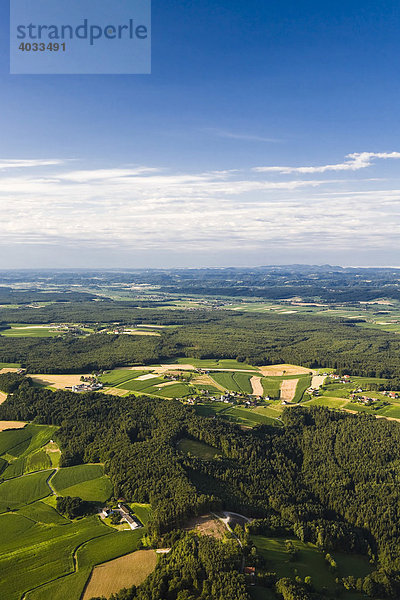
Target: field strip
256	384
288	389
282	370
145	377
3	397
8	370
11	425
317	381
126	571
166	384
114	391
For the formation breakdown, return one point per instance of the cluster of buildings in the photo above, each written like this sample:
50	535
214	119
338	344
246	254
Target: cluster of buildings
339	378
247	400
125	513
88	384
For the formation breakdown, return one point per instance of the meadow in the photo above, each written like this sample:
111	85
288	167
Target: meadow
26	330
309	562
86	481
199	449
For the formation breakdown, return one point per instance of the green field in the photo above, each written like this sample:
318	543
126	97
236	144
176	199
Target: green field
309	562
271	386
85	481
120	376
199	449
234	382
303	384
22	449
25	330
247	416
208	363
14	493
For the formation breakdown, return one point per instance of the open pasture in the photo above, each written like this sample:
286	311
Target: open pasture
19	491
196	448
25	330
309	562
128	570
120	376
86	481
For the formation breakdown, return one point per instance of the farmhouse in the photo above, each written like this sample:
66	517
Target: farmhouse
127	516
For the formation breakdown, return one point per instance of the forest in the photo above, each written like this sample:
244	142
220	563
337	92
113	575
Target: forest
254	338
327	477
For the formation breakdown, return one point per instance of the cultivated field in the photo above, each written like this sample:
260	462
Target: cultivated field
110	577
11	425
257	386
281	370
59	382
288	389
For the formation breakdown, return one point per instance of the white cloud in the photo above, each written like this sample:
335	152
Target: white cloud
18	163
246	137
143	208
354	162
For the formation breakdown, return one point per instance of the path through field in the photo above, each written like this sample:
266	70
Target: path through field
288	389
257	386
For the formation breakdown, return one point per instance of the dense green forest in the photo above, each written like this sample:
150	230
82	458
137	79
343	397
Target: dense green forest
330	478
255	338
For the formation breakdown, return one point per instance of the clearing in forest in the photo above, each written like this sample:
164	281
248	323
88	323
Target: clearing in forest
207	525
288	389
124	572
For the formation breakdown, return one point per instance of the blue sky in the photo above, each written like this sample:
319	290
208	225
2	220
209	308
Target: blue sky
175	168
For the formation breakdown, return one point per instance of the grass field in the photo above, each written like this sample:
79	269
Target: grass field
120	376
309	562
198	449
86	481
247	416
302	385
25	330
23	449
122	572
234	382
271	386
14	493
